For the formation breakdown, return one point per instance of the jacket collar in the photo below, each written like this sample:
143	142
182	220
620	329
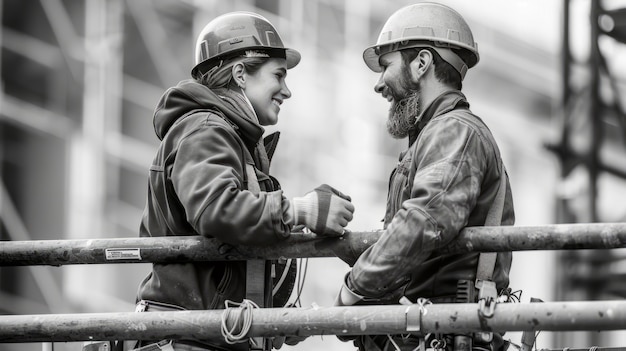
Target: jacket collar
444	103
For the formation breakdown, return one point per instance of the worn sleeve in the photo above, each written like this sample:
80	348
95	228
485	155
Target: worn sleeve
208	177
448	166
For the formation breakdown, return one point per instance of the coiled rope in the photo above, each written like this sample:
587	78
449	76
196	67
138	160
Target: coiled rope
239	317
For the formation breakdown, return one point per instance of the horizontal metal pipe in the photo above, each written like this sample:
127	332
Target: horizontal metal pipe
198	248
352	320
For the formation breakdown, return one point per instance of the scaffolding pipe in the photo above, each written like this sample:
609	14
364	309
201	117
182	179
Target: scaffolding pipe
352	320
198	248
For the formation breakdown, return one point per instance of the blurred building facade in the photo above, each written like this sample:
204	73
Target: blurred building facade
80	80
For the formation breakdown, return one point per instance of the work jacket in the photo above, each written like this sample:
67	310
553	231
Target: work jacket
445	181
210	177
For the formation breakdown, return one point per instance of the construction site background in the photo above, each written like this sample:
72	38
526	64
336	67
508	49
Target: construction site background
80	80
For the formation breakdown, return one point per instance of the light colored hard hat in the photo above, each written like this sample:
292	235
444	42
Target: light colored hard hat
234	33
426	24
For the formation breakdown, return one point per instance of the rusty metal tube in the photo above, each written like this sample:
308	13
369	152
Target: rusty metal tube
197	248
353	320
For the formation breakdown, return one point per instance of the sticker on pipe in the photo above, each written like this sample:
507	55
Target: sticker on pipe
122	254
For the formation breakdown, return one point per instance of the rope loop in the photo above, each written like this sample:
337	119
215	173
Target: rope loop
237	320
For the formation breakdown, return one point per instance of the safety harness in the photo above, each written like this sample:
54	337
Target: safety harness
487	292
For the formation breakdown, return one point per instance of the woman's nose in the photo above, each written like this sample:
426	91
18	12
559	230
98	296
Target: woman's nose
285	91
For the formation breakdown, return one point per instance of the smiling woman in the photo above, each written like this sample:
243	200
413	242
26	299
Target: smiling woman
265	88
210	177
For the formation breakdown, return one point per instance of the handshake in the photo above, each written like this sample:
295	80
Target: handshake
325	211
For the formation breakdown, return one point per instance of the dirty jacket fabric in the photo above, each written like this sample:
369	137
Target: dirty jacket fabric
211	145
446	181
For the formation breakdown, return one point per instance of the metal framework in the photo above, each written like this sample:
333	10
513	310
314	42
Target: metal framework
352	320
593	130
197	248
74	46
418	318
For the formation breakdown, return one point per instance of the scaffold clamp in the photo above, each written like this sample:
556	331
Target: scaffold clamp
413	315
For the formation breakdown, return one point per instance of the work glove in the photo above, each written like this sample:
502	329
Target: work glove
325	210
291	340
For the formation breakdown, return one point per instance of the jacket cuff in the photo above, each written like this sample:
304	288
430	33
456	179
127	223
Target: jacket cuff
279	205
346	296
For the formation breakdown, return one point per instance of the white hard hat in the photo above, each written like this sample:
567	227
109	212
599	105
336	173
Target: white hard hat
426	24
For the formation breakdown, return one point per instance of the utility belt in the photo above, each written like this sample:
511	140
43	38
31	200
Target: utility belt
479	341
468	292
431	342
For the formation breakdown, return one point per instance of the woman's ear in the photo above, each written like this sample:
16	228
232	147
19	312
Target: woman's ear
239	75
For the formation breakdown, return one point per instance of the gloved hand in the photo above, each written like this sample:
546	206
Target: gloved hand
291	340
325	210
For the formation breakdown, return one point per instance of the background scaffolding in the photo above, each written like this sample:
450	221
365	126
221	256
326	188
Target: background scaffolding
80	79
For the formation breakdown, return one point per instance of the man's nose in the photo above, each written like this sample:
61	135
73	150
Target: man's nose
380	86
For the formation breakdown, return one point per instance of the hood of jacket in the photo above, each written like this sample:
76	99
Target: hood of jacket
189	95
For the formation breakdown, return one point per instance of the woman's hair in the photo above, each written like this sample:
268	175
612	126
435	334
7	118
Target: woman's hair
443	70
221	75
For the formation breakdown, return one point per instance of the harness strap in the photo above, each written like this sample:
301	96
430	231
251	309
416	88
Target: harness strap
487	293
255	291
487	260
258	277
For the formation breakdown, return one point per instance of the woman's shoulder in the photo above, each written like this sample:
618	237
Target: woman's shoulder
205	119
205	126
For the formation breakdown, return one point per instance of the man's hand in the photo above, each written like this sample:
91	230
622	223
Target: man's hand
325	210
291	340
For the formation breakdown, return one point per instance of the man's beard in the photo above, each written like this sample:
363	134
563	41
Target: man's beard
403	114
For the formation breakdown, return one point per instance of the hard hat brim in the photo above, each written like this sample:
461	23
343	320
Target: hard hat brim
371	59
293	58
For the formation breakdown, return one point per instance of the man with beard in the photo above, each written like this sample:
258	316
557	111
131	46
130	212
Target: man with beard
450	177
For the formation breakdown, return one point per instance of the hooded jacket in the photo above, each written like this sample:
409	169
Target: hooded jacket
446	181
210	177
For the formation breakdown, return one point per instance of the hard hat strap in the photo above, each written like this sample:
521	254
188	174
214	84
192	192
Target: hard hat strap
453	59
446	53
